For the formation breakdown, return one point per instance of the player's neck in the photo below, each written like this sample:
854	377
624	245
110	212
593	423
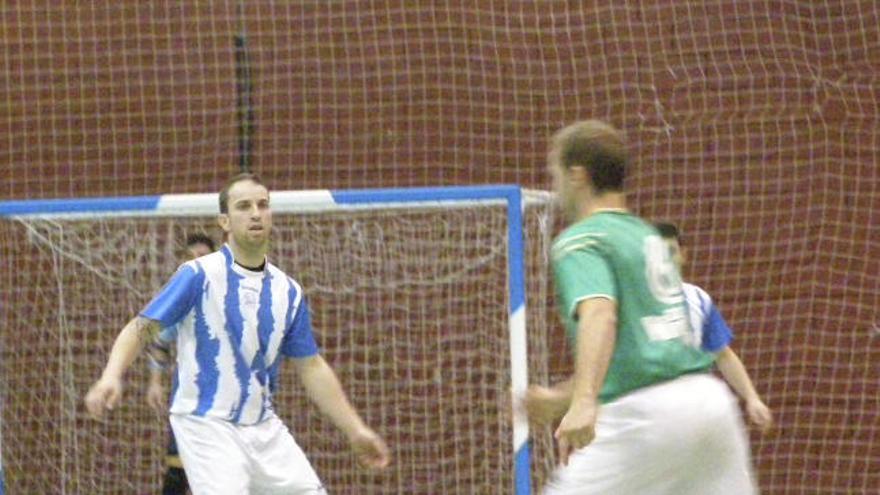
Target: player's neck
611	201
246	256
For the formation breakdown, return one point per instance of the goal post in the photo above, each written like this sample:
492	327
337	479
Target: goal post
364	254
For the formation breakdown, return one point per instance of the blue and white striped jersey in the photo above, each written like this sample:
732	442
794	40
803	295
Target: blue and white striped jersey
711	332
232	325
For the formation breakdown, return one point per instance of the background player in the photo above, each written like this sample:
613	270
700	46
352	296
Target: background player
237	315
667	426
159	353
712	334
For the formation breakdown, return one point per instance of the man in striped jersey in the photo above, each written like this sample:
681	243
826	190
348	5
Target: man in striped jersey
641	414
711	333
236	316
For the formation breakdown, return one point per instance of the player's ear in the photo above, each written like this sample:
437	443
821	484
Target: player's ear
223	221
578	176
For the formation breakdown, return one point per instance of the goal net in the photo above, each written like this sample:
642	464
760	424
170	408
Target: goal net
410	305
753	125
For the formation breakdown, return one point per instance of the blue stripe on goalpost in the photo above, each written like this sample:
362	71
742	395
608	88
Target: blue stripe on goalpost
327	200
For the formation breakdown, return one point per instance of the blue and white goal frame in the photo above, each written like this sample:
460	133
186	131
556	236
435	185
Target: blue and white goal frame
511	196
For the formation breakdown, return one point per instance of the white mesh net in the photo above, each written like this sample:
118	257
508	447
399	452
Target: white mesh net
754	125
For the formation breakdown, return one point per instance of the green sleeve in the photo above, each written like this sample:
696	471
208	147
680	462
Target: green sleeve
582	273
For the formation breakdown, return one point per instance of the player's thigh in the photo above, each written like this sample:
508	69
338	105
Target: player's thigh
590	471
615	468
213	456
712	450
620	459
646	443
280	466
725	467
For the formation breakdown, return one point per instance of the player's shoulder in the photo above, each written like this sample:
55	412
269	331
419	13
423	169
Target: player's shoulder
579	235
209	263
600	231
696	294
282	277
275	272
694	288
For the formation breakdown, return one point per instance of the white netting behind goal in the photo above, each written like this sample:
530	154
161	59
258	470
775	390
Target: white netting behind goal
410	307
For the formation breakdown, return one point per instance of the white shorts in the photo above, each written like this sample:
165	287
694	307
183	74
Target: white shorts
682	437
222	458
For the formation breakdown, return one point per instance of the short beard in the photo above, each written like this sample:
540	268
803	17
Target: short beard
250	245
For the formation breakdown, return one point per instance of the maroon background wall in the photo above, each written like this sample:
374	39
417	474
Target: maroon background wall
754	123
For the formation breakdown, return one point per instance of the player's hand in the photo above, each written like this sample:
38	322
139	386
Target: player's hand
156	397
577	428
759	414
104	395
370	449
542	405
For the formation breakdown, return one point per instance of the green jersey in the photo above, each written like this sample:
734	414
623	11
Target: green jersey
615	255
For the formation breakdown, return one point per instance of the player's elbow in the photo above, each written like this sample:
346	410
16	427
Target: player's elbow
725	355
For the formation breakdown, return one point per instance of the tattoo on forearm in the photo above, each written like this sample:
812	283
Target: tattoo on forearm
159	355
146	329
158	352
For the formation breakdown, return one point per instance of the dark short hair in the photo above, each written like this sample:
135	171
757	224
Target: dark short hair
599	148
242	177
667	230
199	238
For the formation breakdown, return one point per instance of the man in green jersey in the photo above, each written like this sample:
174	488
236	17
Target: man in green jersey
656	421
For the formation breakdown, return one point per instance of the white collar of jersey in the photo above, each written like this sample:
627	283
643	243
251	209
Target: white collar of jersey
611	210
242	270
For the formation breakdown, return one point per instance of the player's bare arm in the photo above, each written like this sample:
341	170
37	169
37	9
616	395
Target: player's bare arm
160	359
735	374
156	396
106	392
547	405
324	389
597	325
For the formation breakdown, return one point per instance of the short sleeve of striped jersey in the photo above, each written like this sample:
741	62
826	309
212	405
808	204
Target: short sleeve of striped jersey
716	334
176	299
299	341
581	272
